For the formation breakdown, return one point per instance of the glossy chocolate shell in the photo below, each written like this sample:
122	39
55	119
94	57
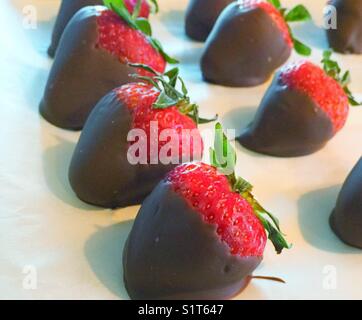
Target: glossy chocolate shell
82	73
244	48
201	16
346	219
288	123
67	10
171	253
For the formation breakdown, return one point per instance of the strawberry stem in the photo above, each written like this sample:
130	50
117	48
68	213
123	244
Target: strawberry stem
169	95
223	157
276	279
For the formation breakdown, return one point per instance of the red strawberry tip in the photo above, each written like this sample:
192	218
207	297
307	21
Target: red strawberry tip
137	23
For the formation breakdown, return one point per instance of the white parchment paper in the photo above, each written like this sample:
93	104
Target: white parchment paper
75	250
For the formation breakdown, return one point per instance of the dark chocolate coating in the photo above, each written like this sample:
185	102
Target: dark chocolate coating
100	173
201	16
67	10
244	48
171	253
81	74
288	123
347	38
346	219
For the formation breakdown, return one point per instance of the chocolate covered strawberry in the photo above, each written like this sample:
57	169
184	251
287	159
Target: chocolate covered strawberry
133	137
93	59
200	234
69	7
201	16
346	219
251	39
302	110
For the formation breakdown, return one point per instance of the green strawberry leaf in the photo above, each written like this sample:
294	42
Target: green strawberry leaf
205	120
223	157
169	95
274	235
120	8
276	3
137	9
157	45
301	48
145	67
352	101
346	79
297	14
144	26
183	87
164	101
332	68
155	5
173	76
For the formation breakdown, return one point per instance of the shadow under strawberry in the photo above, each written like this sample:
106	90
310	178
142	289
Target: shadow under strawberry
55	161
314	209
102	252
346	219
